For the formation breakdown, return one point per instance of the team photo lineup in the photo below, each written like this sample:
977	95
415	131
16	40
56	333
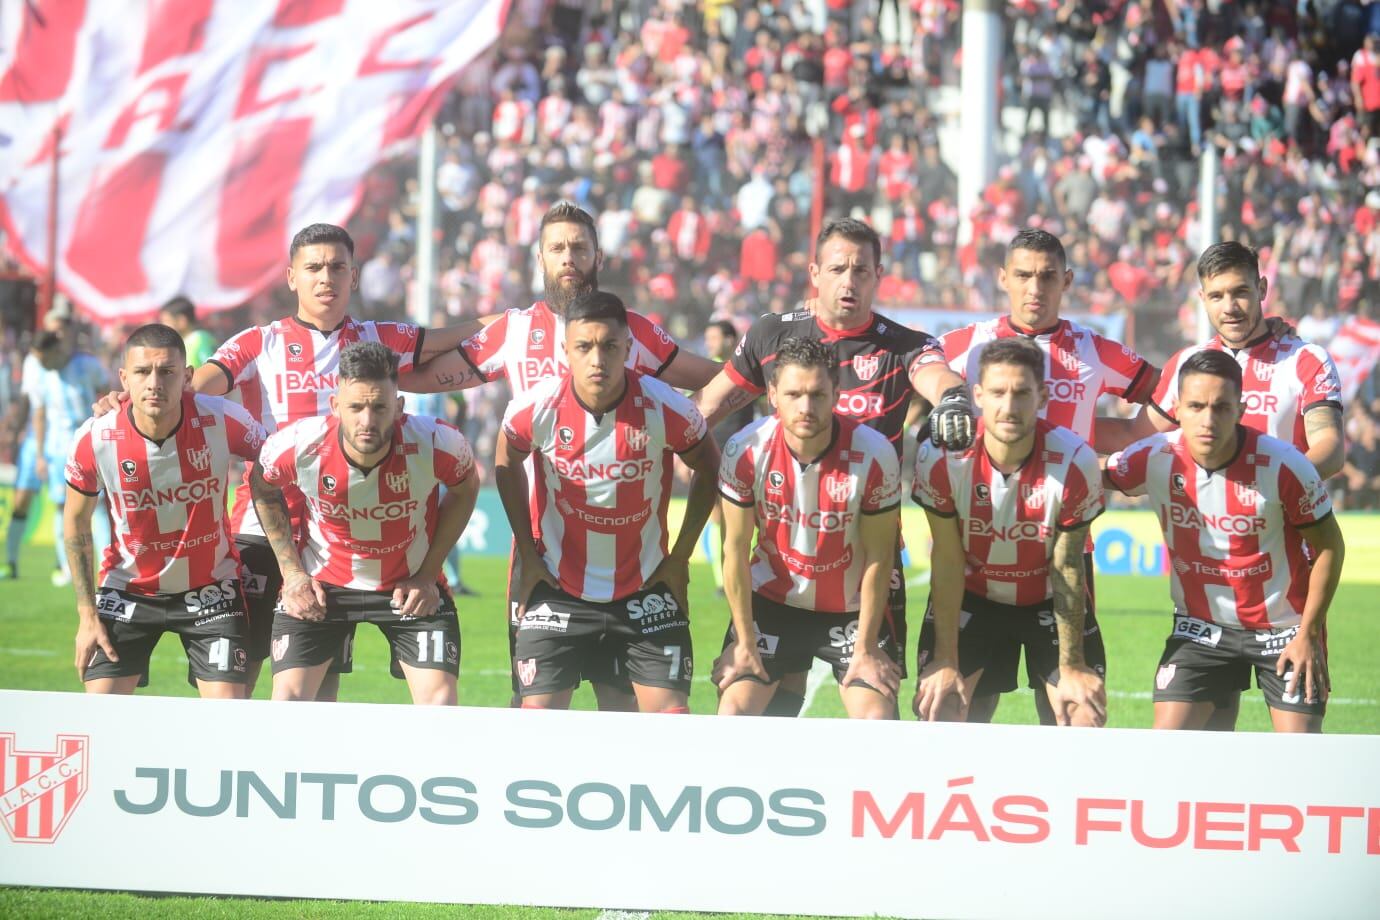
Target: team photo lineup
266	502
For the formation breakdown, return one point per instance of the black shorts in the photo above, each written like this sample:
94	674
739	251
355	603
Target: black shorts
262	584
789	639
431	642
646	637
597	670
210	621
990	639
990	648
1204	662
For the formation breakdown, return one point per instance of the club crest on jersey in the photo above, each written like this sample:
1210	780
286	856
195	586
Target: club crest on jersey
36	809
1033	496
397	481
1178	483
636	438
538	336
328	481
984	494
776	480
200	459
129	469
865	366
294	351
1246	493
1264	370
838	487
1069	361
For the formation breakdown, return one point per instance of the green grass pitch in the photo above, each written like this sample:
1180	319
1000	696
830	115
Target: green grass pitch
37	623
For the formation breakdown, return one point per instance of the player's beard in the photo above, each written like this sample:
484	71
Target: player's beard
558	297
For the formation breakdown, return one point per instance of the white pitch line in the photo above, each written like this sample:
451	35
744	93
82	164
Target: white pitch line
623	915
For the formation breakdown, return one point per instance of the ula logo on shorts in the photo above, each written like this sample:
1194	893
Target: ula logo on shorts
865	366
527	671
637	438
839	487
200	459
295	351
397	481
36	809
127	467
329	482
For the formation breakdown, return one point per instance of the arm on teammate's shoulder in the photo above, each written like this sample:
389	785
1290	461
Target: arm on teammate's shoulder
721	396
212	379
1322	427
442	339
1114	434
689	371
933	379
443	373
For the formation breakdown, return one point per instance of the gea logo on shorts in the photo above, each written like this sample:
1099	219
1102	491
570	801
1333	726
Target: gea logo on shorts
36	808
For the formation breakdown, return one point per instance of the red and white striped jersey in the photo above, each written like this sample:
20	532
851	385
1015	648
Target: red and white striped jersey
1280	381
286	371
809	515
368	529
525	347
1236	554
1080	366
602	482
1009	521
167	499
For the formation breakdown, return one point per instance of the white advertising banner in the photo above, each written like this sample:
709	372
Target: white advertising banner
693	813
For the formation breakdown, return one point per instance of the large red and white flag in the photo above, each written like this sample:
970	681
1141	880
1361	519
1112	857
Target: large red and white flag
198	135
1356	350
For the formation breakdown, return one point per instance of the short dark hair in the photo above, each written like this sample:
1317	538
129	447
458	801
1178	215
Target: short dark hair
156	335
1014	351
1037	240
47	341
597	307
724	326
854	231
370	361
318	235
568	212
1225	256
180	306
801	352
1213	363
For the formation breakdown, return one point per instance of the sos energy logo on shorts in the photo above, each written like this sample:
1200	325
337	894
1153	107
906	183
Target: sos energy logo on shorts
39	790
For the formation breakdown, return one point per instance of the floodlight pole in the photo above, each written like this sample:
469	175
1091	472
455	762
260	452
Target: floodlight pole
978	112
1209	229
425	280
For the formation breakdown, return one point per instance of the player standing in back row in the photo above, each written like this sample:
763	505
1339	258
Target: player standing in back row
164	463
882	365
